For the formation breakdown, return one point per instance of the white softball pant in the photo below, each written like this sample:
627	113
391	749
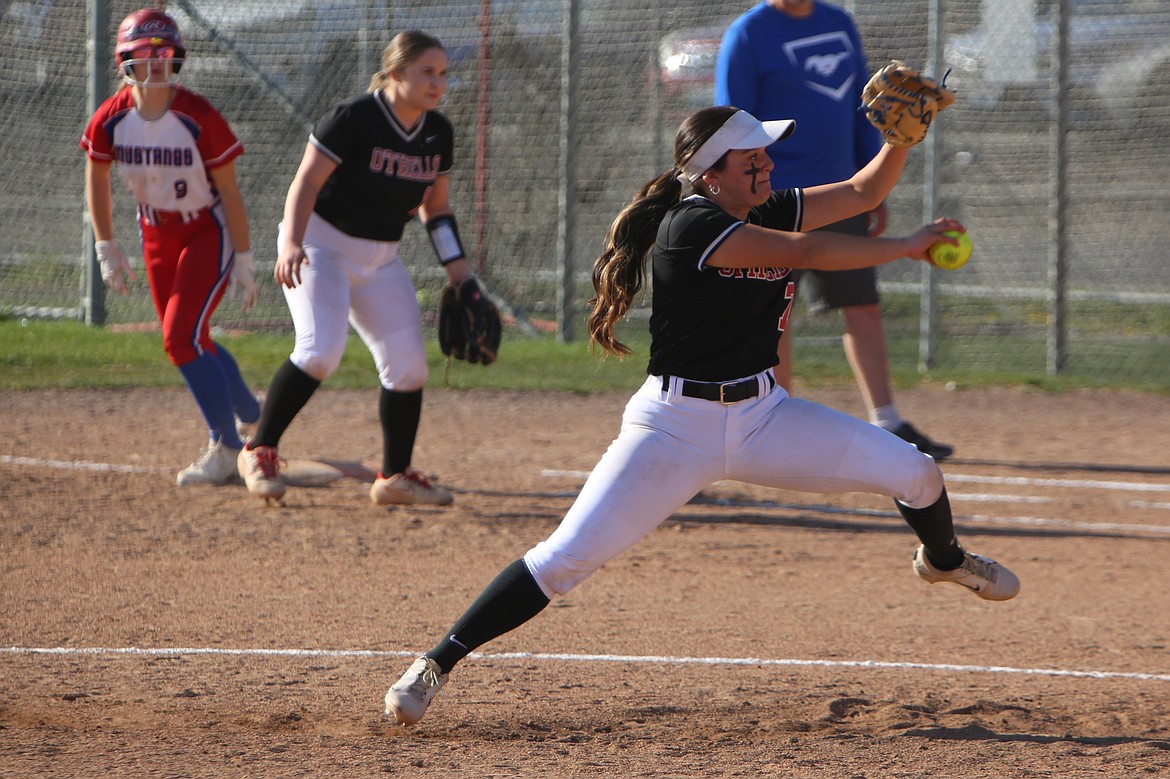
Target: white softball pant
356	281
670	447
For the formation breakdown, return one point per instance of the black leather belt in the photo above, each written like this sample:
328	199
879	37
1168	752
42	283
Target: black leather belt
725	393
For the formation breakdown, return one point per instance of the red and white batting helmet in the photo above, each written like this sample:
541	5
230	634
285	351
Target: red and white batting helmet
148	34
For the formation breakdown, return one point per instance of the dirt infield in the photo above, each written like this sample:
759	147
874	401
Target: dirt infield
153	631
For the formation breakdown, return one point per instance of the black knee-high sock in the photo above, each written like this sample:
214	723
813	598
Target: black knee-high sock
936	530
508	602
288	393
399	413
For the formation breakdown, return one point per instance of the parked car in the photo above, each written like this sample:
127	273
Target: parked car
1119	59
686	65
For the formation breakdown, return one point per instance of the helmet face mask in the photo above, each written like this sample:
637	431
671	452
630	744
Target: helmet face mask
149	51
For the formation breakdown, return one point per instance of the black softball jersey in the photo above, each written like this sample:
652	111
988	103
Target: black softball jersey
717	324
383	170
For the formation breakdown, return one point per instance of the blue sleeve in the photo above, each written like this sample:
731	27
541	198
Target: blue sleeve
735	72
867	140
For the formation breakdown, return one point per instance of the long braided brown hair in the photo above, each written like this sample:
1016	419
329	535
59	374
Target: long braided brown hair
619	272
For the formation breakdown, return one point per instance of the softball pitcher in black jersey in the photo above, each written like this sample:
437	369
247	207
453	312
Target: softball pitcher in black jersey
722	245
371	165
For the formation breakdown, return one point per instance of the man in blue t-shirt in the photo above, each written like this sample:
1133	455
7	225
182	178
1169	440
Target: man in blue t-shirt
803	60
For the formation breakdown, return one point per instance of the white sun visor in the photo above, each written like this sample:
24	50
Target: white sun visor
740	131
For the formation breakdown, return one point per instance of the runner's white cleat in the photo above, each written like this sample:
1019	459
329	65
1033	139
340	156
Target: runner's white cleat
217	465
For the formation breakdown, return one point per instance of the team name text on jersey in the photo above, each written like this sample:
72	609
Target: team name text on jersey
154	155
756	274
404	166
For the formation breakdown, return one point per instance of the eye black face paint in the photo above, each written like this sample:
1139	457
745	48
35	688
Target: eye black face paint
753	171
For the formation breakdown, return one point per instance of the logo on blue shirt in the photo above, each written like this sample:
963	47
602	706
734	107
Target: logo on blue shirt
819	57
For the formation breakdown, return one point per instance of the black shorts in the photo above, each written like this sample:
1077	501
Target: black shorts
828	289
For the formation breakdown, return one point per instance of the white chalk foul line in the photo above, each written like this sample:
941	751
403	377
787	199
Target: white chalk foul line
77	465
1100	527
81	465
1141	504
1091	484
959	478
588	658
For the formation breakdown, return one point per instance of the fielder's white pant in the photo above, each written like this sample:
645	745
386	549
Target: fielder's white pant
670	447
356	281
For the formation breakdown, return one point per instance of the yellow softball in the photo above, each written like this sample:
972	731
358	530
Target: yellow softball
950	257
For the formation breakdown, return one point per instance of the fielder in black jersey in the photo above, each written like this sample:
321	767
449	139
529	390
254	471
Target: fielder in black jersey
371	165
722	246
383	168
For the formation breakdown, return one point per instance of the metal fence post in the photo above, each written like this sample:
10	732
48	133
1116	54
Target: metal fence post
93	293
928	313
567	197
1058	201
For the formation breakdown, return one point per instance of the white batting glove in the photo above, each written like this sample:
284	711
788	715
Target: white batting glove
242	283
114	265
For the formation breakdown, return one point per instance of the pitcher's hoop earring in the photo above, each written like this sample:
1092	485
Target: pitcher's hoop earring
714	189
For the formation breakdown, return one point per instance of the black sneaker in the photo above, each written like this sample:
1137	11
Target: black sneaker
938	451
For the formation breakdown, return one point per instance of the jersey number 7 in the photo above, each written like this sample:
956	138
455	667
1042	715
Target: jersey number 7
789	294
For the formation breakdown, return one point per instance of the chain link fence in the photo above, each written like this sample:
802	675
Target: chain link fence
1055	165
